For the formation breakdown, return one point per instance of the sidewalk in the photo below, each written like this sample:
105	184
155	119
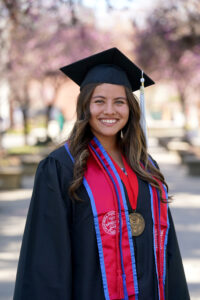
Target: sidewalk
185	210
13	211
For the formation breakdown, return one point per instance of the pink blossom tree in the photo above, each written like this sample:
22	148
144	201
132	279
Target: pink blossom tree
41	37
168	46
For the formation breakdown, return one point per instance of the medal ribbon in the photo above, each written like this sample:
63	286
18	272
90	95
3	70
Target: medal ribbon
130	181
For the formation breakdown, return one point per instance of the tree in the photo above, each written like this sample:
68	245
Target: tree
40	37
168	46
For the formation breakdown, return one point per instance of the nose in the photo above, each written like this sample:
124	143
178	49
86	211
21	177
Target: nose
109	108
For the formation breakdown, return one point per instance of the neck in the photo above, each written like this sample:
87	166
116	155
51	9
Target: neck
109	143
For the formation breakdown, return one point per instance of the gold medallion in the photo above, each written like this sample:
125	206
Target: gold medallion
137	223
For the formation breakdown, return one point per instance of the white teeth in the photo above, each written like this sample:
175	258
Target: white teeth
109	121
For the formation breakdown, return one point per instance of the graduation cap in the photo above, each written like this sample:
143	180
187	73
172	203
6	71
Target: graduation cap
109	66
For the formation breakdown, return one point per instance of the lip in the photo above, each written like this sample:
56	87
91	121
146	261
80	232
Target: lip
105	121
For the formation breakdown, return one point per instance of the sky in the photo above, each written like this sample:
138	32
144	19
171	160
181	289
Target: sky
118	4
137	9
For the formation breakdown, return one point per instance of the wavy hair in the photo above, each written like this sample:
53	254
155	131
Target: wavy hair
133	145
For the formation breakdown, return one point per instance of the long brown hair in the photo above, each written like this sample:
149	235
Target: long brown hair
133	145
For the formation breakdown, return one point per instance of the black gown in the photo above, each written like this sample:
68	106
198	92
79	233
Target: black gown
59	255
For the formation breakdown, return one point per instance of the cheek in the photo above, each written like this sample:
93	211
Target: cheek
125	113
93	115
94	111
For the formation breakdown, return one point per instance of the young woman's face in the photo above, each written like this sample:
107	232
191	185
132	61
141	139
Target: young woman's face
109	110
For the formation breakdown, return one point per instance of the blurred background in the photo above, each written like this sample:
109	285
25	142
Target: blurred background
37	102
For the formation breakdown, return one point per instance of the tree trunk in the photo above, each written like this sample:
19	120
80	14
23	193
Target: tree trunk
25	120
11	112
182	100
48	114
1	146
186	134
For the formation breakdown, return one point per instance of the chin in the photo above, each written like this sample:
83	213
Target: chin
107	134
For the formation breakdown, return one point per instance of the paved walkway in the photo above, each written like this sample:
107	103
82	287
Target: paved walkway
185	210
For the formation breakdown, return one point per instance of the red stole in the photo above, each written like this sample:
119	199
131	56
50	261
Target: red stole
108	221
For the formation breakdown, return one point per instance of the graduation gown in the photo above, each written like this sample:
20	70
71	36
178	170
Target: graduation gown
59	256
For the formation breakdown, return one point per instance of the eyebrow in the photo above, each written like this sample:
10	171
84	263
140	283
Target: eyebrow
121	97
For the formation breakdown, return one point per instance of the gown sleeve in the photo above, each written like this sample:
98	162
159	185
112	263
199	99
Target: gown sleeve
177	286
44	268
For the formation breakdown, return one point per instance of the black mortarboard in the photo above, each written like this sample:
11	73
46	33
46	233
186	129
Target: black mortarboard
109	66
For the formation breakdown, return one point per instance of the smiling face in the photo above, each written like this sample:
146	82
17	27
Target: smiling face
109	111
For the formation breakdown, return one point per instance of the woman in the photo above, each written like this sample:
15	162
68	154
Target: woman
99	226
